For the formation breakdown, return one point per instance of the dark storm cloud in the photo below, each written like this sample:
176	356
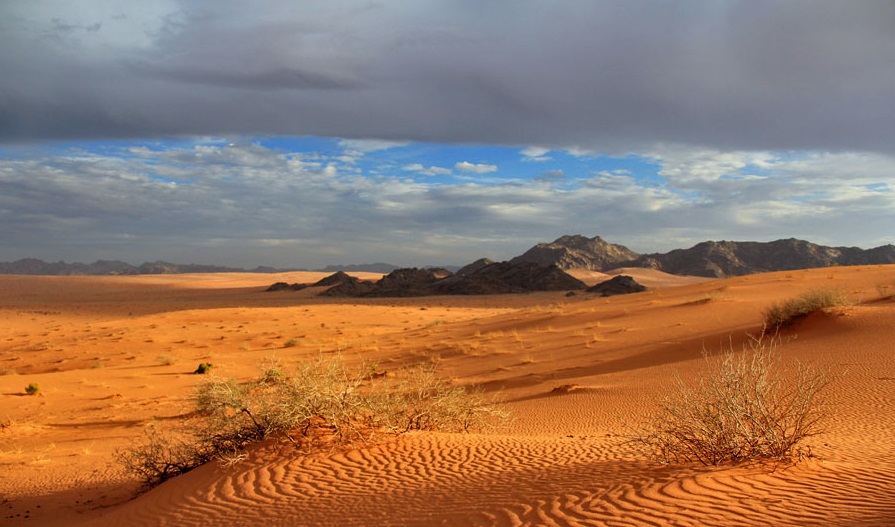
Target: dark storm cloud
604	75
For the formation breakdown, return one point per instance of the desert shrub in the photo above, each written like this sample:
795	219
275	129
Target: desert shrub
321	403
788	311
165	359
422	400
161	456
204	367
743	408
32	389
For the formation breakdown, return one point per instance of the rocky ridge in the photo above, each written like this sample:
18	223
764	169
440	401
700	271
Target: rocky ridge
715	259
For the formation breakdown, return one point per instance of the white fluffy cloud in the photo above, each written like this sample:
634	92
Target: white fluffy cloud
474	168
536	153
430	171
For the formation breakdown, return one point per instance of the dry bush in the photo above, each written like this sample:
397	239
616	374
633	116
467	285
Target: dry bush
321	403
162	456
422	400
787	312
744	408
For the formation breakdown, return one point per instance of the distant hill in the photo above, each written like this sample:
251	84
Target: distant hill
33	266
578	252
488	279
383	268
714	259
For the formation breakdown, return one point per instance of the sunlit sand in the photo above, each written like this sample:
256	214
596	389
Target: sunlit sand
578	375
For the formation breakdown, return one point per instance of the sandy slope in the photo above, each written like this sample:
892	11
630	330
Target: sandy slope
112	354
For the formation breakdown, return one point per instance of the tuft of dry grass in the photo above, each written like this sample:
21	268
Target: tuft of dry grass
321	403
785	313
744	408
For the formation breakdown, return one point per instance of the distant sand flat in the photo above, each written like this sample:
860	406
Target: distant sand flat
112	354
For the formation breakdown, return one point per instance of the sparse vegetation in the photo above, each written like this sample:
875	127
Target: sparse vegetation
321	403
787	312
744	408
165	359
32	389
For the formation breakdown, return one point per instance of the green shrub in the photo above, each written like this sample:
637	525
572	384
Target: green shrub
787	312
32	389
744	408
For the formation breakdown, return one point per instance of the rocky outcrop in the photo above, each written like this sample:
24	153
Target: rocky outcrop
361	268
474	266
284	286
493	278
714	259
725	258
509	277
579	252
618	285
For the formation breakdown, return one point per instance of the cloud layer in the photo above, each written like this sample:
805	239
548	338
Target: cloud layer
247	204
603	75
655	124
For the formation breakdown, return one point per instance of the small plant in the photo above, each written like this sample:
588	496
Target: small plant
322	403
204	367
272	371
165	359
32	389
743	409
787	312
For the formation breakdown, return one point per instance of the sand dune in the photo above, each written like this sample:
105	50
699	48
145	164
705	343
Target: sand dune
578	374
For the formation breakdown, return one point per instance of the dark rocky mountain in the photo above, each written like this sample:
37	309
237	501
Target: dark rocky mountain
712	258
494	278
337	280
725	258
360	268
508	277
474	266
617	285
578	252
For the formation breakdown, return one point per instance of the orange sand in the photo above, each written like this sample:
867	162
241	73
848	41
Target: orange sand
111	354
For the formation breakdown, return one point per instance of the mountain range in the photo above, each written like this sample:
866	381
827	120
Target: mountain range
33	266
714	259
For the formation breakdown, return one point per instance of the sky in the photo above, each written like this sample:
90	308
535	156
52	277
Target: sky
302	134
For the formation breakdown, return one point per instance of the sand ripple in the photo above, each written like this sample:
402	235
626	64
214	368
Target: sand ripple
509	481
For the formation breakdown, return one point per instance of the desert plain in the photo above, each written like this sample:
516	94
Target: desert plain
577	374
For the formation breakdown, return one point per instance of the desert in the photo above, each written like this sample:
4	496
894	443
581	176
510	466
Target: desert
577	375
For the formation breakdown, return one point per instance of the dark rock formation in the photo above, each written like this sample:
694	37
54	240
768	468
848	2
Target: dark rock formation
350	287
618	285
495	278
579	252
283	286
474	266
508	277
725	258
712	258
361	268
333	279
